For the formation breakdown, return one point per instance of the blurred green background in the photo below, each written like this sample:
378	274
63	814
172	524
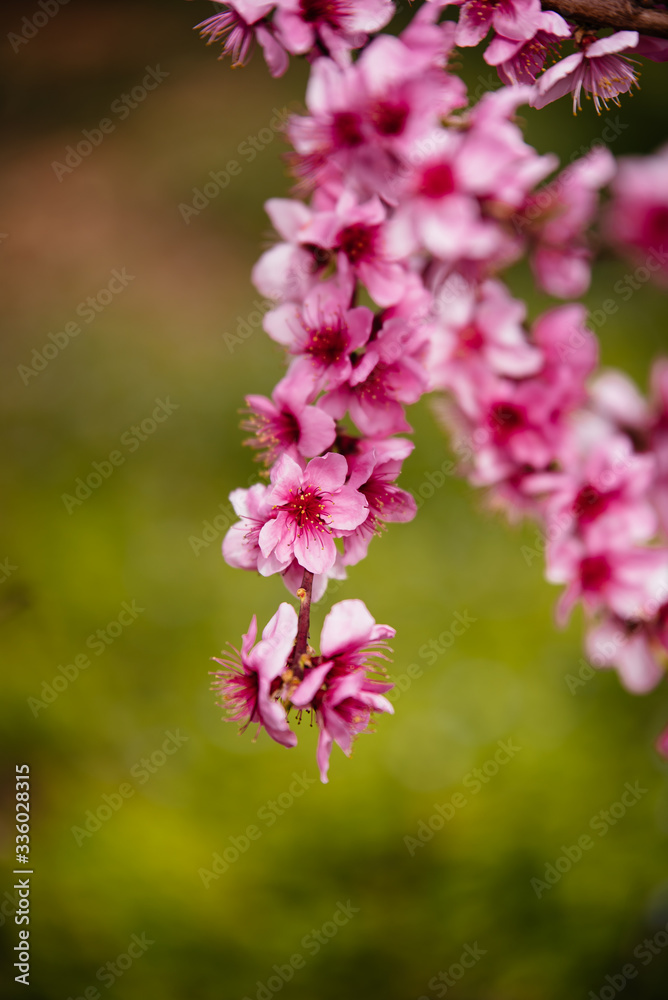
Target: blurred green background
67	575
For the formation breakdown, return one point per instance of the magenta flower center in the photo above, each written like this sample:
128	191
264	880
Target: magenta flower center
374	388
358	242
328	343
590	503
306	508
470	339
389	119
347	129
272	434
325	11
437	181
594	572
506	418
656	226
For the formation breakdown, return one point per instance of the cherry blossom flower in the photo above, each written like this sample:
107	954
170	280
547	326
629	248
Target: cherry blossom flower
250	677
520	60
324	332
597	68
338	689
373	473
310	505
239	25
511	18
633	647
336	25
285	424
556	218
638	217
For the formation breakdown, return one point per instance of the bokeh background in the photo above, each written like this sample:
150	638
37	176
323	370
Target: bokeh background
135	539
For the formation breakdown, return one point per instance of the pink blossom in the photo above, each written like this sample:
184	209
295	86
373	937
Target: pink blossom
622	579
520	60
324	332
240	24
285	424
356	233
510	18
602	498
373	473
241	543
288	270
598	68
638	217
249	678
338	690
556	217
630	646
336	25
480	329
311	505
389	375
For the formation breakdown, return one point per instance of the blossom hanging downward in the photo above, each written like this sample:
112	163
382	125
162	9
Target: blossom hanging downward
249	678
263	682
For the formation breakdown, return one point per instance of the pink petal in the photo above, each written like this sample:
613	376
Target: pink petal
327	473
315	552
347	626
317	431
348	509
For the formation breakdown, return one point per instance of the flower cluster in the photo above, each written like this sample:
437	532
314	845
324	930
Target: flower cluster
385	279
294	27
525	36
265	680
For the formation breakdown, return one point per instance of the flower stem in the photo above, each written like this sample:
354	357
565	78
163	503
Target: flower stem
303	624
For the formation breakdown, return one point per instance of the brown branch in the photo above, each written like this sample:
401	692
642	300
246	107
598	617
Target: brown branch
619	14
304	622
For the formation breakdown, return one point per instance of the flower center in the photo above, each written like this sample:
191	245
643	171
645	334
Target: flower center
590	503
470	339
389	119
327	343
594	572
328	11
506	418
272	434
306	508
437	181
357	242
347	129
